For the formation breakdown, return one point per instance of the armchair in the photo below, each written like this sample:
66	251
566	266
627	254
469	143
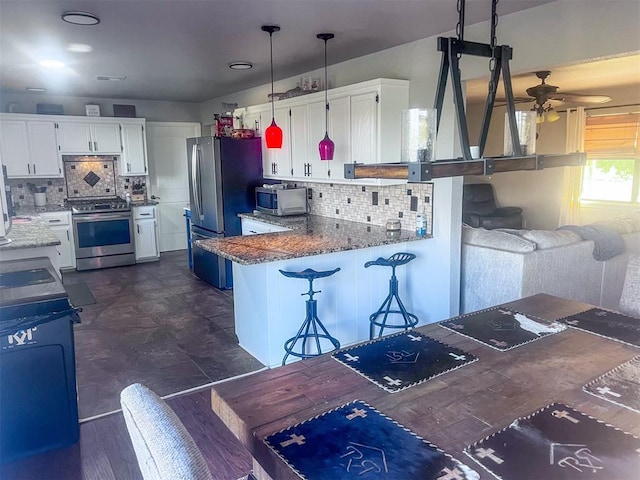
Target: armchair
479	209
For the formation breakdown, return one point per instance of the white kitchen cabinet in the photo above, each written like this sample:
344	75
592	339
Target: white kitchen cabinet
60	224
29	148
82	138
364	122
339	132
134	150
146	233
276	162
256	227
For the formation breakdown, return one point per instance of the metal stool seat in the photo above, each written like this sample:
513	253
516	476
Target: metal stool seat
309	328
409	320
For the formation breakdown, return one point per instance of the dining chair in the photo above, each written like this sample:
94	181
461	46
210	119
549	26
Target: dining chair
164	449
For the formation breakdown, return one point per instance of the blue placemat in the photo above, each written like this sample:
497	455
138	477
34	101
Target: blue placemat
608	324
501	328
402	360
356	441
559	443
620	385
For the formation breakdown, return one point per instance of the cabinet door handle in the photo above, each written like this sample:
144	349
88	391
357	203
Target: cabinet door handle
29	168
138	227
95	146
128	167
56	221
68	238
90	149
34	168
145	214
309	169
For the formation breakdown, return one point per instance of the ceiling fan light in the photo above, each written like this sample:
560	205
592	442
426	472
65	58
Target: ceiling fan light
552	116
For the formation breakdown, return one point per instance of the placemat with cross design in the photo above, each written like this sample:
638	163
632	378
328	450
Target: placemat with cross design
357	441
559	443
501	328
402	360
608	324
620	385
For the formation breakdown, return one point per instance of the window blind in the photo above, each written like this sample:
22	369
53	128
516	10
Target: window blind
613	136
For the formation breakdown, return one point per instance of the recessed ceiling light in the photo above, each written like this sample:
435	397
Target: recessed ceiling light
36	89
240	65
52	63
79	48
80	18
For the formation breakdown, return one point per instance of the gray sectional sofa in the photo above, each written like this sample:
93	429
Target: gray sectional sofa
503	265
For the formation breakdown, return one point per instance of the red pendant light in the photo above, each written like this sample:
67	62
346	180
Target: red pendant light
273	134
326	146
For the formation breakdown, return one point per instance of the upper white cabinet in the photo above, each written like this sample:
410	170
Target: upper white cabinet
134	150
29	148
364	122
83	138
33	145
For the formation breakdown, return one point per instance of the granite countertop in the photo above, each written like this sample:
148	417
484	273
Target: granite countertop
30	232
30	210
310	235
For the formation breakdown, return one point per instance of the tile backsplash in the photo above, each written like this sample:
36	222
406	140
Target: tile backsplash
373	204
59	189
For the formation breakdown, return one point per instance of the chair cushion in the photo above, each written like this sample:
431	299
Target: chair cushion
496	239
163	447
630	298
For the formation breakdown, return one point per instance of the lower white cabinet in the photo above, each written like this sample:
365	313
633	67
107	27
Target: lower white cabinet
60	223
146	233
255	227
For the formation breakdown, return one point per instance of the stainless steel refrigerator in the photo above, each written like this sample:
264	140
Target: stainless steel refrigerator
223	174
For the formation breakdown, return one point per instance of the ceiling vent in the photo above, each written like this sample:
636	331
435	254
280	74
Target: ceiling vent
110	78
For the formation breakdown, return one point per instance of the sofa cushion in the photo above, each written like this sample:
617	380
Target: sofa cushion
627	224
496	239
550	239
163	447
630	298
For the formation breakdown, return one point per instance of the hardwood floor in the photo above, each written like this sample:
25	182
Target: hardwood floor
159	325
156	324
105	451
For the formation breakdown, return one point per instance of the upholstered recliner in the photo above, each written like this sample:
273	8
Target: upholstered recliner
164	448
479	209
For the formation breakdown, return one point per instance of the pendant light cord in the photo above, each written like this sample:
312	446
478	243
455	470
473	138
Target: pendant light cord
326	93
273	114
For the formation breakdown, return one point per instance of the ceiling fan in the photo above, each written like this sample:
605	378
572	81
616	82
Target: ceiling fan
546	96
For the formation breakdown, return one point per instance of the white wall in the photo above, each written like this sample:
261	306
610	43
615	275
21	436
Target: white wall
556	33
155	111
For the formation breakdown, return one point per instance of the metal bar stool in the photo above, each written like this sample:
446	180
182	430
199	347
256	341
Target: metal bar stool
309	328
409	320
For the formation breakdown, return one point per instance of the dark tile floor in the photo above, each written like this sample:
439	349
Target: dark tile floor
156	324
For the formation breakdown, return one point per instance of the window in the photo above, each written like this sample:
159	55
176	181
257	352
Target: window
612	173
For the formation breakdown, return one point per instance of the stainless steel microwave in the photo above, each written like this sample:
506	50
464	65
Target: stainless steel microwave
281	201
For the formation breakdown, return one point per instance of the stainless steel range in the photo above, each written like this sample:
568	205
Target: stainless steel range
103	229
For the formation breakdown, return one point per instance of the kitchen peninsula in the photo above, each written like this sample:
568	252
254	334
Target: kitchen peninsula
269	307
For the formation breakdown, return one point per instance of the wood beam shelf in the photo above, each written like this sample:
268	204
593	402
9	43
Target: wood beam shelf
424	172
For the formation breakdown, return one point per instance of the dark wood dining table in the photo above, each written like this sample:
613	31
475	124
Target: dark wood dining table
451	411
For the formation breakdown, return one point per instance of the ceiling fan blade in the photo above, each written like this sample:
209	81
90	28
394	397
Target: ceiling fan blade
580	98
503	101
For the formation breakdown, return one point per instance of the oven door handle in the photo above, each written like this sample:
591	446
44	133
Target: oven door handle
101	217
